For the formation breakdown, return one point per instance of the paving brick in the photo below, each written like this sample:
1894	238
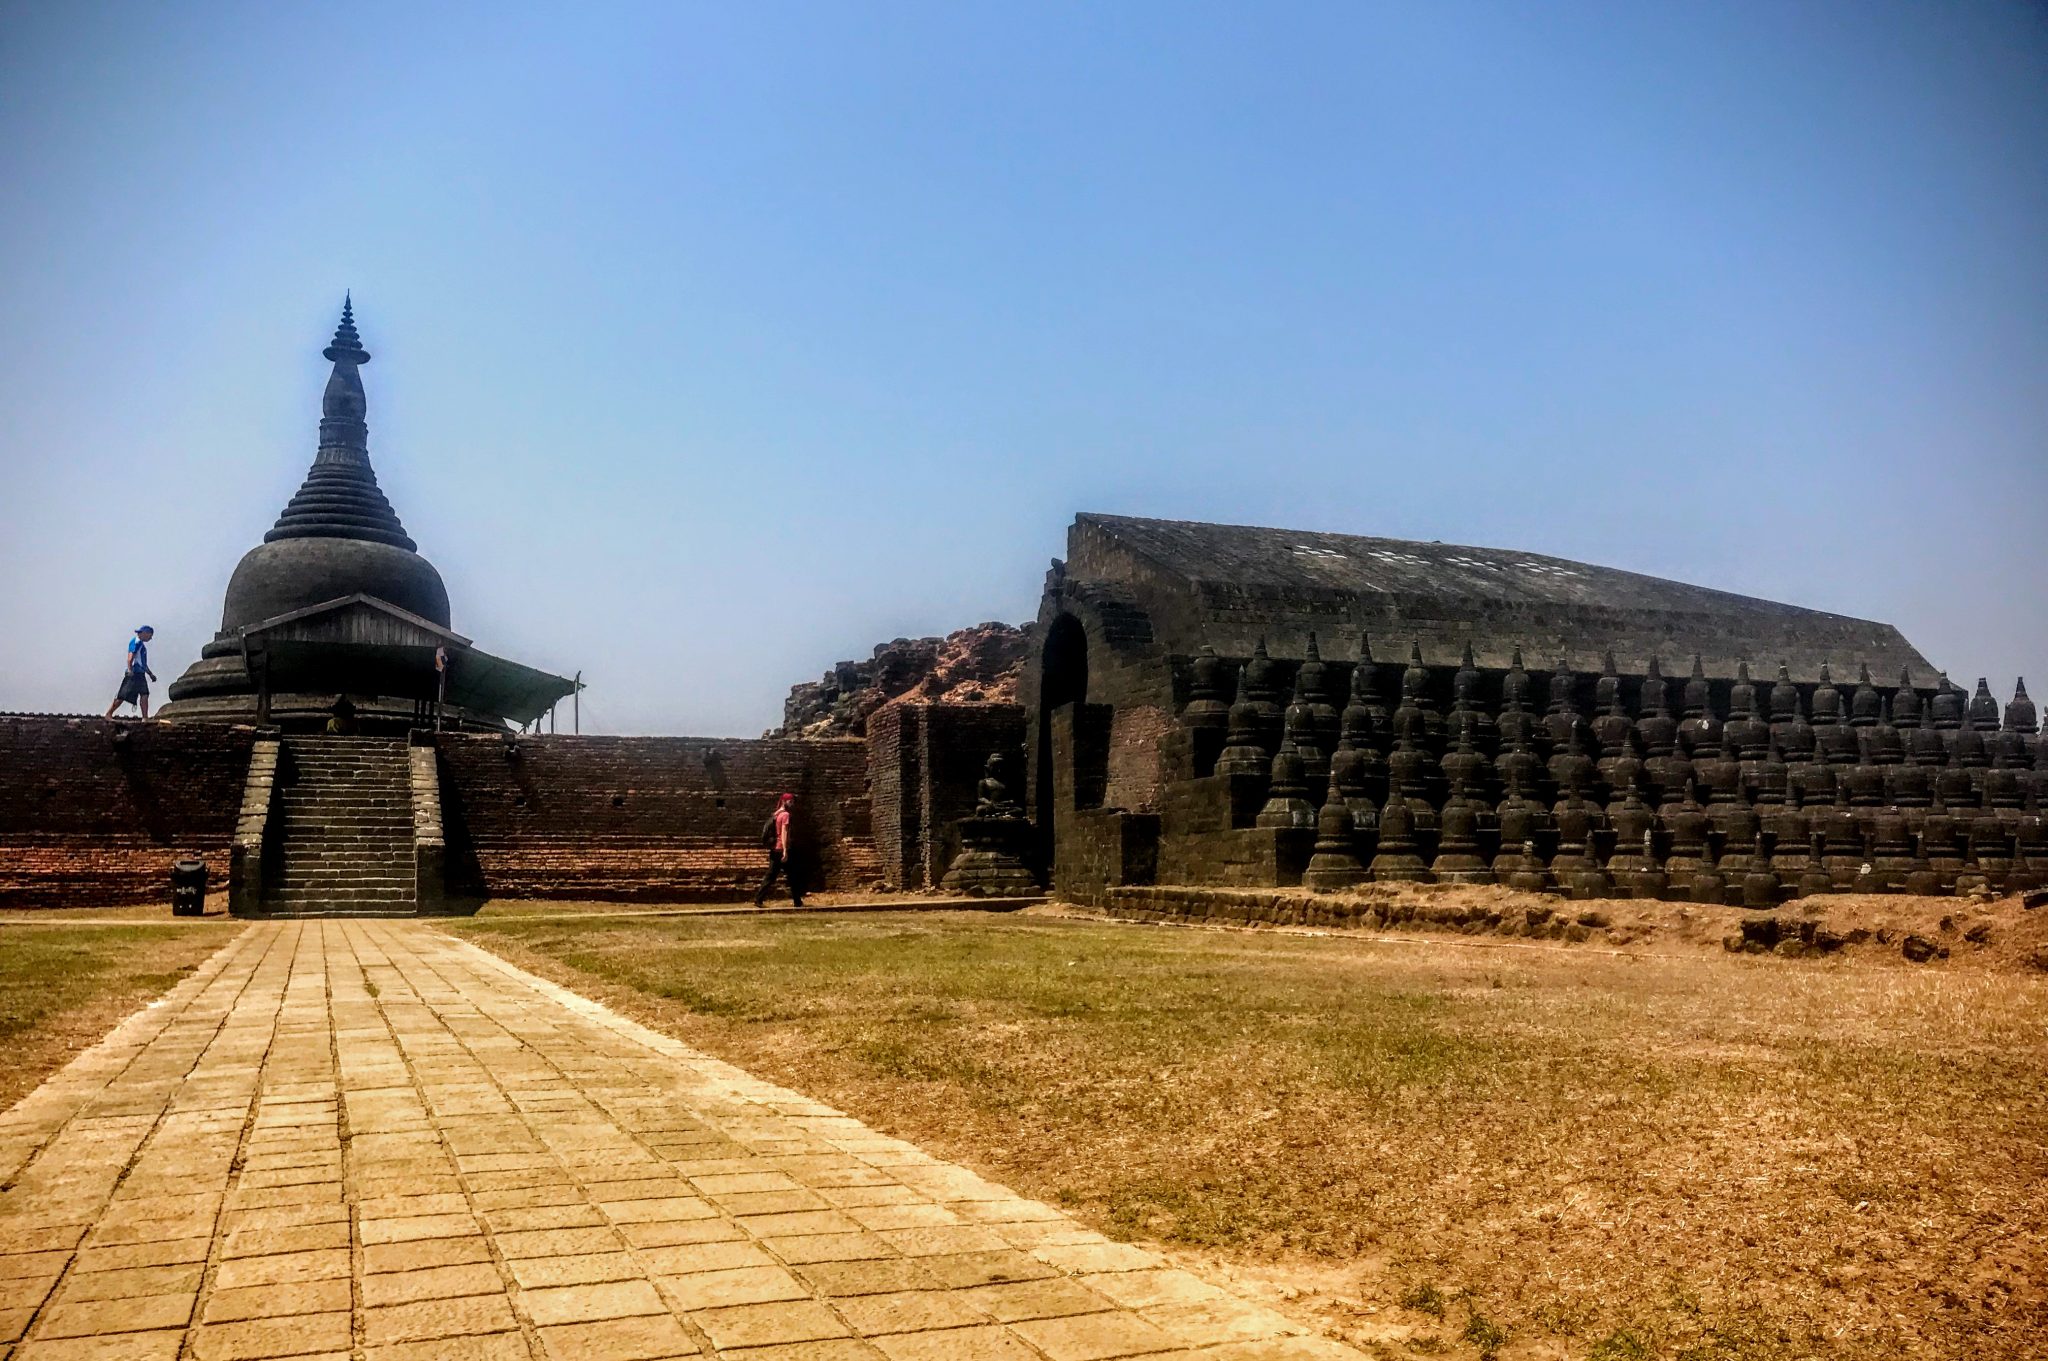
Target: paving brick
14	1322
918	1216
910	1311
1080	1257
29	1292
725	1183
494	1347
526	1217
769	1202
86	1318
888	1193
277	1301
830	1247
985	1268
938	1240
118	1233
651	1338
743	1285
875	1277
658	1211
289	1217
801	1223
159	1346
685	1258
756	1325
406	1207
431	1283
424	1320
822	1349
556	1242
1048	1297
1139	1289
383	1257
958	1344
674	1232
641	1187
534	1273
591	1302
282	1268
260	1338
17	1265
1093	1337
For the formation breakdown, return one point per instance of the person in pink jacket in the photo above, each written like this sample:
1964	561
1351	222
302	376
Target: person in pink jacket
775	836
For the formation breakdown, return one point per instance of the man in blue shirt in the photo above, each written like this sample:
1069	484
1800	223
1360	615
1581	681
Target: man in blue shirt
135	680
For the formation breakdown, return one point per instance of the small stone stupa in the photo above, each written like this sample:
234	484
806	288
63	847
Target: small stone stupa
336	602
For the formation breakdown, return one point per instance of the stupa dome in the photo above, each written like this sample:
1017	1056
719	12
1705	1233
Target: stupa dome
292	574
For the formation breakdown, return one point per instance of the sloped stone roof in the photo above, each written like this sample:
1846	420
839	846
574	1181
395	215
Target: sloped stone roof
1229	585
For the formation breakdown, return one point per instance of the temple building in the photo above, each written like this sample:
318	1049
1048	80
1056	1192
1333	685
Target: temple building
1203	692
337	602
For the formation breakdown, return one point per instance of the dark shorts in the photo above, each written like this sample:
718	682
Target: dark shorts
134	686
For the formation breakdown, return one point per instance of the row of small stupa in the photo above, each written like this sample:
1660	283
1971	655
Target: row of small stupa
1866	792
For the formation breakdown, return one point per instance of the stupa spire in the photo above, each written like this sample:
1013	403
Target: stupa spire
339	498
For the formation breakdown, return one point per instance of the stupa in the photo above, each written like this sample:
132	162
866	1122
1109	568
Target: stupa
337	601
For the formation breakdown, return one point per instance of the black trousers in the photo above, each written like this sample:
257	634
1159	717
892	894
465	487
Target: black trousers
781	864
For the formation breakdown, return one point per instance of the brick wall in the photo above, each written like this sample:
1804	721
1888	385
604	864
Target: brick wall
95	812
895	775
1136	774
651	818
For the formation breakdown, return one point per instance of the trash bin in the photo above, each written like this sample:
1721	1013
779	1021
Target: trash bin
188	888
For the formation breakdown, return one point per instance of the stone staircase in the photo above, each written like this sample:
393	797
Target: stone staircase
344	830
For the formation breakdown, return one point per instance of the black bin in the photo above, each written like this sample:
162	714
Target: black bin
188	888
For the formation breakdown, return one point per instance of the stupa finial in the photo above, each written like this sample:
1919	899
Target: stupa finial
347	346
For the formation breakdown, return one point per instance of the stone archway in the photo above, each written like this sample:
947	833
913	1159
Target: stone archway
1062	682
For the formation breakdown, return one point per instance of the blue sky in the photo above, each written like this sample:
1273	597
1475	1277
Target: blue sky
715	344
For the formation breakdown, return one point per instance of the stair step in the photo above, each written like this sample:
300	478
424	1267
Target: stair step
384	817
307	796
344	824
376	881
378	819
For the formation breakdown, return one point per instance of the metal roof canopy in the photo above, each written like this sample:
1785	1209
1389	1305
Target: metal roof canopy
358	644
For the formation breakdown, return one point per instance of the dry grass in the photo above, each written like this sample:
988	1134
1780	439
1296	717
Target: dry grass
216	908
63	986
561	907
1438	1149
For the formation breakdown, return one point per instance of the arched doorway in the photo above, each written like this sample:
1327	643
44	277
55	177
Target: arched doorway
1062	681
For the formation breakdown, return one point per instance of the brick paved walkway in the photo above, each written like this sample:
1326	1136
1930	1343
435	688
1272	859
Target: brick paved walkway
366	1139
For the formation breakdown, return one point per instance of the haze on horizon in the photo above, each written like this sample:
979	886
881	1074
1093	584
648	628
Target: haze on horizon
716	344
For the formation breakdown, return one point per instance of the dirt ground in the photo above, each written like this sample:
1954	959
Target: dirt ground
1987	932
1438	1145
